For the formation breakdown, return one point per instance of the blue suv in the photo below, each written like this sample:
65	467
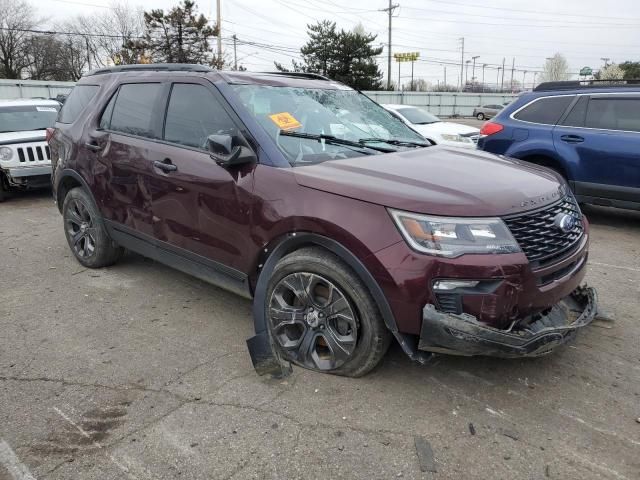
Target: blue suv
587	132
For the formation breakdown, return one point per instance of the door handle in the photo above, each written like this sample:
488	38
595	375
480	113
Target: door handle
94	147
165	165
572	138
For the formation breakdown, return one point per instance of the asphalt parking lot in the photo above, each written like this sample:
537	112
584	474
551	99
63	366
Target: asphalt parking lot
140	372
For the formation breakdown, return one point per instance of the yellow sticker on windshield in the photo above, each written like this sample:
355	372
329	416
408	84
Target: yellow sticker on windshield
285	121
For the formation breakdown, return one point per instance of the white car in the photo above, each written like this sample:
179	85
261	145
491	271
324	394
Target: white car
434	129
25	160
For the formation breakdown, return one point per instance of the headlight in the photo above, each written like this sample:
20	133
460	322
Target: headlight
6	153
453	138
452	237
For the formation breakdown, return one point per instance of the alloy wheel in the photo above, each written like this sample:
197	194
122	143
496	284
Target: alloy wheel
312	321
80	229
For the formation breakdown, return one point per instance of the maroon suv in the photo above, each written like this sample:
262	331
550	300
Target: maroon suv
344	225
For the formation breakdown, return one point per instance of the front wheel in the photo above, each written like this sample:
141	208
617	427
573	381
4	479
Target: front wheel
322	317
480	116
4	188
85	231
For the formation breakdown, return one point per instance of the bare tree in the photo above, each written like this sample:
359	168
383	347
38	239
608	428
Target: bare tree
17	17
556	69
110	38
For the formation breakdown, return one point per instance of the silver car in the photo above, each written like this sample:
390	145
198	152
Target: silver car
487	111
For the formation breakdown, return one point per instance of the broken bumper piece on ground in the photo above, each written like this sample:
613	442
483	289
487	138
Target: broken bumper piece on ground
464	335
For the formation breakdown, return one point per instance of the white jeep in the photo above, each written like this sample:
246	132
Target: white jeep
25	160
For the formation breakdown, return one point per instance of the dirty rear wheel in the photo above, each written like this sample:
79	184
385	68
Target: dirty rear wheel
480	116
322	317
86	233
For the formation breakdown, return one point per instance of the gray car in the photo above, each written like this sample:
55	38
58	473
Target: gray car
487	111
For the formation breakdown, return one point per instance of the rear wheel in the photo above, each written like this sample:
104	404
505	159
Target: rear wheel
322	317
480	116
86	233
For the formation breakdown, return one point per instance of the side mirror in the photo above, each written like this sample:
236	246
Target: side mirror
222	150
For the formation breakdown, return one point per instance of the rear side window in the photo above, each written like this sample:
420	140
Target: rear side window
614	114
577	114
133	109
79	98
193	114
546	110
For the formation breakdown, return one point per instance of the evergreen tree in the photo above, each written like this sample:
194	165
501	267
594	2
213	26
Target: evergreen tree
180	35
346	56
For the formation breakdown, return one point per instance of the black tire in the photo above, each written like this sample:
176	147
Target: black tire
85	231
4	188
343	328
480	116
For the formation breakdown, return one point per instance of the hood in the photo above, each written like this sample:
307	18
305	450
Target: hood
437	180
7	138
445	127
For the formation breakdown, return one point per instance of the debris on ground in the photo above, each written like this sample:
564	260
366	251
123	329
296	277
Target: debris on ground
425	455
472	429
513	435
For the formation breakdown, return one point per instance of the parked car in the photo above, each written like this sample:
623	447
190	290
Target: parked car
487	111
588	133
25	161
343	240
434	129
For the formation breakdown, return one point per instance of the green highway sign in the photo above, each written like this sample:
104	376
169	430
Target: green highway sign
586	71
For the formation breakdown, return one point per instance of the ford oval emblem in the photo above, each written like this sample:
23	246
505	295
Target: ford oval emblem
565	222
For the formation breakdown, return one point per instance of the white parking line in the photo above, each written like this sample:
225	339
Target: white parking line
622	267
12	463
96	444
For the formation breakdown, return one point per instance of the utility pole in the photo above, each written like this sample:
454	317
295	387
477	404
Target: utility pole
502	81
513	69
235	53
524	76
461	62
219	25
445	75
389	10
498	78
535	74
86	40
473	70
466	72
606	61
484	65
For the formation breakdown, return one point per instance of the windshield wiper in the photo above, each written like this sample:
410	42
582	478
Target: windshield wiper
334	140
393	141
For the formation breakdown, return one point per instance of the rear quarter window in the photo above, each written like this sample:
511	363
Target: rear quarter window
79	98
617	113
545	110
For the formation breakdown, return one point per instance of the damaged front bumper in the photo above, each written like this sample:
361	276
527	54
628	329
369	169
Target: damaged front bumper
464	335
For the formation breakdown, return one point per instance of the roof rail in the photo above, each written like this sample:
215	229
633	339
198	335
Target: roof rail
578	84
309	75
167	67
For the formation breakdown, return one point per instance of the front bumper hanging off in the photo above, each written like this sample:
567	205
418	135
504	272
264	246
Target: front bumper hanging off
464	335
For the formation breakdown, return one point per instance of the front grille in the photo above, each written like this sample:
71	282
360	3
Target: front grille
38	153
540	240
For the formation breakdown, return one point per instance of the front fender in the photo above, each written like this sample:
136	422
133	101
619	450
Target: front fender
263	354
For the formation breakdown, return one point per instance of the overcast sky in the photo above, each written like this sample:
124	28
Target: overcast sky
583	30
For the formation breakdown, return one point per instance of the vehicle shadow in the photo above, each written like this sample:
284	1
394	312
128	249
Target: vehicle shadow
612	217
21	197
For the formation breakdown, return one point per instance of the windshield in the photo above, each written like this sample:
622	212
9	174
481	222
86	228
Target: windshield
346	115
27	117
418	116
